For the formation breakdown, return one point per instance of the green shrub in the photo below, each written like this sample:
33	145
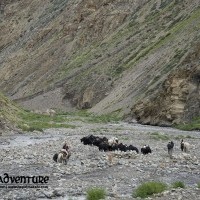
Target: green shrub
178	184
96	194
198	185
149	188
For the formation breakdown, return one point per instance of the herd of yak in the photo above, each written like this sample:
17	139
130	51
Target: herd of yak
112	144
105	144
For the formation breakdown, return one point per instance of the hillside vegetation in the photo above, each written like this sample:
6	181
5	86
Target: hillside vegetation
12	117
8	113
130	58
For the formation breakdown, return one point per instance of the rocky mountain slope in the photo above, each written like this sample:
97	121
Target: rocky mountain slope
178	98
112	56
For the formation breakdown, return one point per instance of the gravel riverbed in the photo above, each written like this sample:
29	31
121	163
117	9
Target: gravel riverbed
30	154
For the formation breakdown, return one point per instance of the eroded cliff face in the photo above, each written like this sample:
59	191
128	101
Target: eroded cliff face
178	99
103	55
50	44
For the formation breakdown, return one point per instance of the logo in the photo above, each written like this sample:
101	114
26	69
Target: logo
23	181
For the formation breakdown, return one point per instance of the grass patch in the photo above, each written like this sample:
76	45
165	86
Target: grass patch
33	121
39	126
159	136
119	129
193	125
110	117
92	118
96	194
96	130
179	137
178	184
188	127
149	188
28	116
188	137
28	121
103	118
124	138
100	130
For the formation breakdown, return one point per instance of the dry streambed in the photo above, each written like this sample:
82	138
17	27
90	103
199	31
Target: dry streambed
31	154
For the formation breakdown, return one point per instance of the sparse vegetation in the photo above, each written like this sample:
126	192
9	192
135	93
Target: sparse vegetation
96	194
33	121
149	188
39	126
159	136
119	70
8	111
194	125
124	138
103	118
87	115
28	121
164	3
29	116
179	137
178	184
188	136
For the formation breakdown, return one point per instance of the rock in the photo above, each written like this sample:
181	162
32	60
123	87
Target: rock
180	197
58	193
166	193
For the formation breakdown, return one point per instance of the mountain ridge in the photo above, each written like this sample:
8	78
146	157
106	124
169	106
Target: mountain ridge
106	56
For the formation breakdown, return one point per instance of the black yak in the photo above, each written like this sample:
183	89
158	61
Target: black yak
132	148
122	147
88	140
104	146
145	149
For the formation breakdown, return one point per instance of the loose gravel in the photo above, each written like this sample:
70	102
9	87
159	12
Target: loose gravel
30	154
